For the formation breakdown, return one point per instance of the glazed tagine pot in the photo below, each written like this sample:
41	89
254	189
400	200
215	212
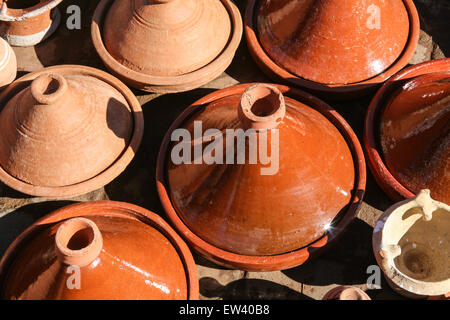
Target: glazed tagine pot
407	132
99	251
8	64
346	293
339	49
411	245
166	45
67	130
243	208
27	23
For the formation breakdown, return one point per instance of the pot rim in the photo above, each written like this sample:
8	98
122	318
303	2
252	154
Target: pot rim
390	185
26	13
163	84
338	90
275	262
124	210
108	174
398	278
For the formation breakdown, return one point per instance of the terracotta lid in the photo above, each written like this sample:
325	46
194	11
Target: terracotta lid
407	133
265	206
346	293
167	40
332	46
8	64
67	130
95	251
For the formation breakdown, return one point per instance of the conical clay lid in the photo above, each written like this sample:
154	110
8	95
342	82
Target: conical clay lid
97	258
259	205
415	135
333	42
63	129
166	37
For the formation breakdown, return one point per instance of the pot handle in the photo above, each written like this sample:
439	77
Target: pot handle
4	16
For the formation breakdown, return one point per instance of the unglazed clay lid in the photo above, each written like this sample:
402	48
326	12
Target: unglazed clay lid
99	251
63	127
415	135
166	37
333	42
253	201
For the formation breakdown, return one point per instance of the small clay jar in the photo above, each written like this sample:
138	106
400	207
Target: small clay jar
26	24
99	251
411	245
346	293
407	137
8	64
340	49
66	131
166	45
247	213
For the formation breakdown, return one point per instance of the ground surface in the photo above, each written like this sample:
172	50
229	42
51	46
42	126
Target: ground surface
345	263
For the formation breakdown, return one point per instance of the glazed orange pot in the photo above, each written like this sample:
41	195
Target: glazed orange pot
66	131
340	49
406	133
243	214
27	23
166	46
8	64
99	251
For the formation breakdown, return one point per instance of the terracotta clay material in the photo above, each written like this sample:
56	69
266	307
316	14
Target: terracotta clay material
66	131
407	133
341	49
27	23
166	46
117	250
238	217
411	245
346	293
8	64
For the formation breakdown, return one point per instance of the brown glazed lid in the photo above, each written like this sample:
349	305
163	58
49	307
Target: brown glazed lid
333	42
238	208
415	134
65	126
99	251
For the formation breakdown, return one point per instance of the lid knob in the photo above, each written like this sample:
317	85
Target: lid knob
48	88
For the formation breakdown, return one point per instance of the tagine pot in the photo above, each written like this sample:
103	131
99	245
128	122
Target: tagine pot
267	213
99	251
8	64
407	136
336	49
67	130
166	45
23	25
346	293
411	245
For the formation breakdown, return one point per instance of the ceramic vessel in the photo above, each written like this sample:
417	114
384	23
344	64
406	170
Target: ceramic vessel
8	64
166	46
411	243
346	293
240	212
99	251
406	151
66	131
27	23
340	49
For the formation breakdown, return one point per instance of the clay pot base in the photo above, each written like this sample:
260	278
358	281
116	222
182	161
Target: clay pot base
161	84
274	262
385	179
108	174
98	210
338	92
410	244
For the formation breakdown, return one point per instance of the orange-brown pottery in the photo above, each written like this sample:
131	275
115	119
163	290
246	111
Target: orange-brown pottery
166	46
339	49
99	251
253	215
346	293
67	130
8	64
